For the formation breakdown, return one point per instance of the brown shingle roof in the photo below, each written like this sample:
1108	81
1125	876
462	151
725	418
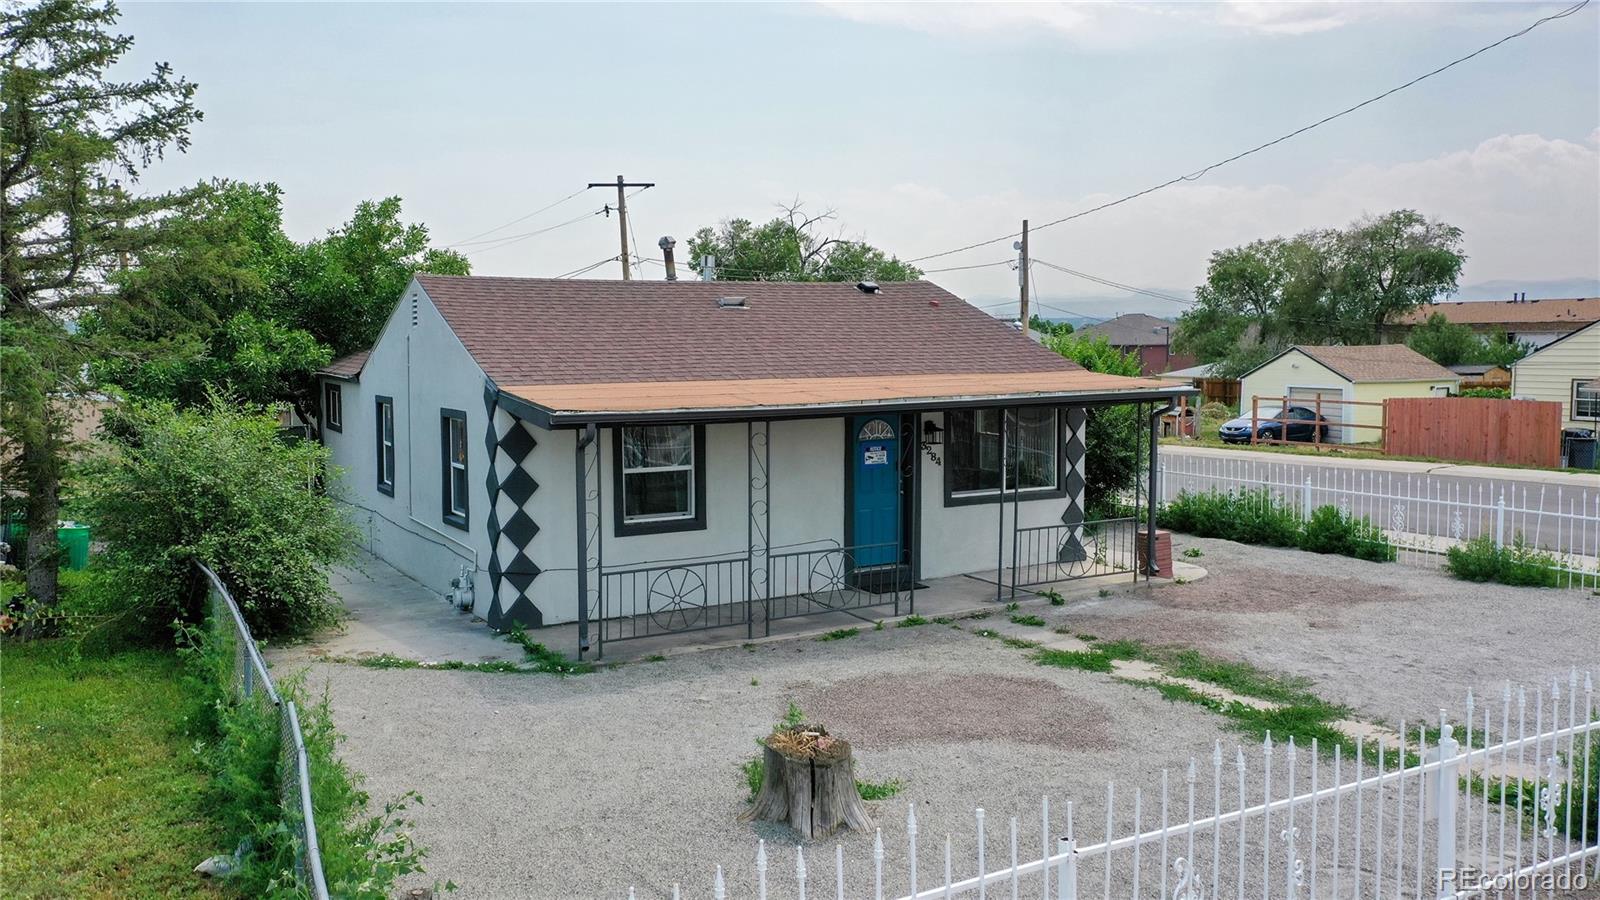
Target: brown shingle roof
526	331
347	367
1131	330
1578	311
1378	362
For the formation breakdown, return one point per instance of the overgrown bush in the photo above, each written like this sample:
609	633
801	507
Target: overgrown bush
363	855
1491	393
1518	564
1329	530
220	485
1259	517
1248	516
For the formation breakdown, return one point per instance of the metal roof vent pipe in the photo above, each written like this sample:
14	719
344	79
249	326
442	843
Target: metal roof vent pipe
867	287
666	244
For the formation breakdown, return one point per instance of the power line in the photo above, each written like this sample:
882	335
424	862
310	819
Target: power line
588	268
515	238
1277	140
522	218
1114	284
1003	262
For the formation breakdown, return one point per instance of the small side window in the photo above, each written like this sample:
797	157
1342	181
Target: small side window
333	407
385	444
454	484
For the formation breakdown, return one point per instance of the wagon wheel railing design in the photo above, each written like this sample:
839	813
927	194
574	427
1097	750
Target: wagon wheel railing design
676	599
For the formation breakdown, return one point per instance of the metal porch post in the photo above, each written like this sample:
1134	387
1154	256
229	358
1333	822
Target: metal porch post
582	493
1000	522
913	559
1016	499
1150	564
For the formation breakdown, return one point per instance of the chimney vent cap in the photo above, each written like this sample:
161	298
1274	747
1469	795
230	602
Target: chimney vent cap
867	287
667	242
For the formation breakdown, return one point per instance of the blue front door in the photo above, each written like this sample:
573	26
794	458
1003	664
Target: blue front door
876	515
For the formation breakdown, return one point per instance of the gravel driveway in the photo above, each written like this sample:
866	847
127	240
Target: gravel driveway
582	787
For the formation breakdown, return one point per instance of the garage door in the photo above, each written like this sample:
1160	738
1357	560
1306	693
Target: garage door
1333	412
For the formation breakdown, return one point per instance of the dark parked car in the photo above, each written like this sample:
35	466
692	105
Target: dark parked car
1305	427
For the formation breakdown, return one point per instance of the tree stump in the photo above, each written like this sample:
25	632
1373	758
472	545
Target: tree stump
808	783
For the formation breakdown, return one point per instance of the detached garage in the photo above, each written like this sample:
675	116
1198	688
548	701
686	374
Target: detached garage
1365	373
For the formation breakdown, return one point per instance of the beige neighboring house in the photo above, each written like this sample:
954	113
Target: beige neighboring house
1566	371
1532	322
1366	373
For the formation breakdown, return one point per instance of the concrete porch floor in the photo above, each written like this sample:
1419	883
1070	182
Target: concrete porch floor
391	614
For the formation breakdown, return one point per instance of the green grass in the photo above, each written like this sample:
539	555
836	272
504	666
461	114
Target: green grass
879	790
914	621
545	660
839	634
1087	660
389	661
1239	677
1054	597
1194	553
1024	619
1019	643
103	794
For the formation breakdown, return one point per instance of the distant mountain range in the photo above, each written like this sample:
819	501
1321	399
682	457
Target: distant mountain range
1082	309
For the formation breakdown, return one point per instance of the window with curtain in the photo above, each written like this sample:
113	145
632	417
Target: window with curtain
974	444
658	473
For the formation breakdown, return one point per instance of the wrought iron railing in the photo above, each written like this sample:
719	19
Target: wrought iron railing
1049	553
838	579
249	682
673	597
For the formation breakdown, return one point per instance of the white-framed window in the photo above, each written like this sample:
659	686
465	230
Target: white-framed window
454	488
385	444
1586	398
660	478
974	469
333	407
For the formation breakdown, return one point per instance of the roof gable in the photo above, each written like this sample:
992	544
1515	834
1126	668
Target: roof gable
527	331
1131	330
346	367
1558	340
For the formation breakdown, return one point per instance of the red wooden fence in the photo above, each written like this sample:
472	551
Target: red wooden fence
1475	429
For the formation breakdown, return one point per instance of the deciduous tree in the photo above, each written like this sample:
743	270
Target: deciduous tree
793	247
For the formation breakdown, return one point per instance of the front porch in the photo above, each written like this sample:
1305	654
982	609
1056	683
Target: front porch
392	615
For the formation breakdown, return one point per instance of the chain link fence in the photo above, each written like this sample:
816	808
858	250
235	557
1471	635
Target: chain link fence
250	683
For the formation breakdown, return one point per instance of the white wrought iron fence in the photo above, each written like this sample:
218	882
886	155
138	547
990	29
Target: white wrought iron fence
250	683
1422	514
1466	809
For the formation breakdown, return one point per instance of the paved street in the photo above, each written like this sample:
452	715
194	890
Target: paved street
1559	511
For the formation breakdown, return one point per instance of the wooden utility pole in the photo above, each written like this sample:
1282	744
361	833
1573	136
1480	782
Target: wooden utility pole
622	216
1022	276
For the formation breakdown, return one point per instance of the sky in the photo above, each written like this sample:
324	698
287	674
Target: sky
923	127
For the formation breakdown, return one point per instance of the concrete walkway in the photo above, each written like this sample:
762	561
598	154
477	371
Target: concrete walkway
391	614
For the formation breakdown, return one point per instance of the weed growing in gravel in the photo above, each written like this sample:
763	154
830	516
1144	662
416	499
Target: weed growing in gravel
839	634
1238	677
1194	553
754	770
879	790
544	659
1087	660
1054	597
655	657
1180	580
1104	592
987	632
388	661
1019	643
1084	637
1117	649
1023	619
1011	607
754	682
914	621
878	625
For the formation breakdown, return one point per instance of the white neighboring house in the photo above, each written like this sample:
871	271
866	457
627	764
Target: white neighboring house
1366	373
555	444
1567	371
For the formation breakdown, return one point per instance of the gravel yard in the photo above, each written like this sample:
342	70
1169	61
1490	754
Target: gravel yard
549	787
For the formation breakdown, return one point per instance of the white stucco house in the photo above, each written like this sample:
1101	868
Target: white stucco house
639	457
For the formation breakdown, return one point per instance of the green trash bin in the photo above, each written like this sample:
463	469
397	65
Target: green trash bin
72	538
74	541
